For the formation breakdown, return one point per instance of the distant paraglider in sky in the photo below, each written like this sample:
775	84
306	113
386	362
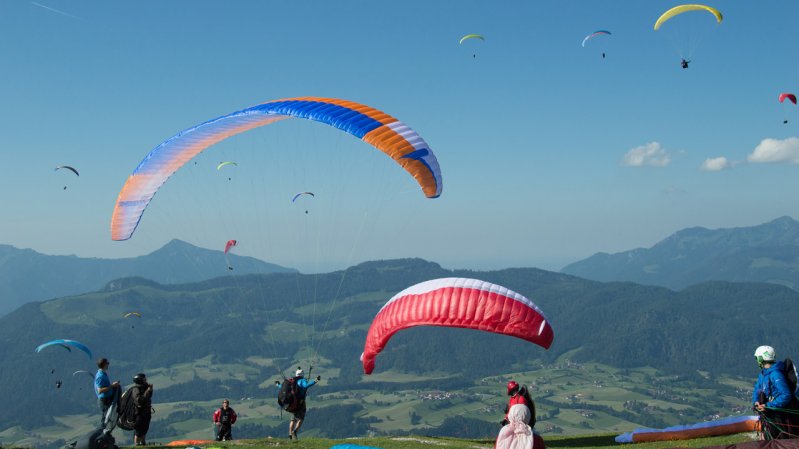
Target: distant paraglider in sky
384	132
225	164
84	373
301	194
686	39
70	168
792	99
595	34
457	302
66	344
230	244
130	314
471	36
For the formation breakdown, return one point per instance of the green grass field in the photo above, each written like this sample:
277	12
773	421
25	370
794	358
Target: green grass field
581	441
572	400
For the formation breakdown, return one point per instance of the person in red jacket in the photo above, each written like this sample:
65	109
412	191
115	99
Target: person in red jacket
519	395
224	418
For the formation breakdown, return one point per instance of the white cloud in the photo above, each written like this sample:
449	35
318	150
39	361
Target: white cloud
776	151
716	164
651	154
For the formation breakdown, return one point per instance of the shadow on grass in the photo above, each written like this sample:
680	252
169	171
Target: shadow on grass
586	441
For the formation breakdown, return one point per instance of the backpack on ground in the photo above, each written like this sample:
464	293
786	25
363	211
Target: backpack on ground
127	411
289	395
96	439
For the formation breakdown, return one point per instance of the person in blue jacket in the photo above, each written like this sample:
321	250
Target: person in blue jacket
303	385
106	391
772	395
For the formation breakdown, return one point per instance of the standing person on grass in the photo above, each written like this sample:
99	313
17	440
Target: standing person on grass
296	403
143	403
224	418
106	391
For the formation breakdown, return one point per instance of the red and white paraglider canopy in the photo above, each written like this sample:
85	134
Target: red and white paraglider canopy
457	302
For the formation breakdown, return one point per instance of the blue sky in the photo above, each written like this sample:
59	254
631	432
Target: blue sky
532	134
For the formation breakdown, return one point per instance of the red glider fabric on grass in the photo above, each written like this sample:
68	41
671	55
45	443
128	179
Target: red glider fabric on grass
457	302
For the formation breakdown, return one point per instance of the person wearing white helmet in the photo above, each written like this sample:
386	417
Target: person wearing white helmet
298	411
772	395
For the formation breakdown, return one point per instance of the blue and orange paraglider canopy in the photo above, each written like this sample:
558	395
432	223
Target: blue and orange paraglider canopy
374	127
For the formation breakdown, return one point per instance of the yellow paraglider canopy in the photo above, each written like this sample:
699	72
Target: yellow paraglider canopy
222	164
471	36
677	10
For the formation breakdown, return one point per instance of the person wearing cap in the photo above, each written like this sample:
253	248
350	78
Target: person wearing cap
142	395
519	395
298	415
224	418
105	390
772	396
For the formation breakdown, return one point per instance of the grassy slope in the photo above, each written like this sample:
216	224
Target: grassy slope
581	441
572	388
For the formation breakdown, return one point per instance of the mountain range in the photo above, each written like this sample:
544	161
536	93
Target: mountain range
767	252
248	330
26	275
205	332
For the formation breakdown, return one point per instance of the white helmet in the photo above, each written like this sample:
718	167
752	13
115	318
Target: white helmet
299	373
765	354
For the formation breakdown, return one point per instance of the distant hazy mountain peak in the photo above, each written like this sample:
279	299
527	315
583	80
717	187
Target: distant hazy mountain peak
762	253
26	275
177	245
784	221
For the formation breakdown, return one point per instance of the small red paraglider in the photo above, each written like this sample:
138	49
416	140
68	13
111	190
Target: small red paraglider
790	97
228	245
